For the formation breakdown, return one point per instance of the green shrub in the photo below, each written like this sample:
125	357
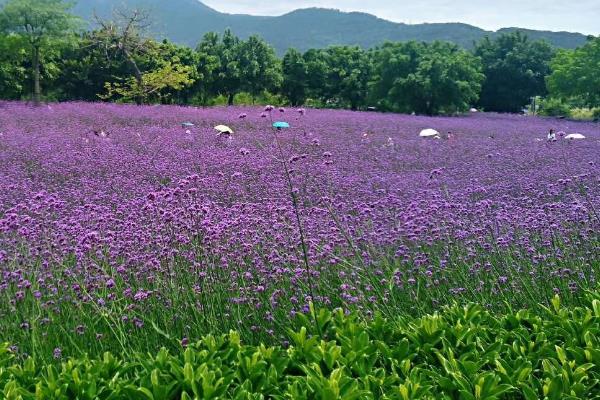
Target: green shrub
582	114
459	353
554	108
585	114
240	99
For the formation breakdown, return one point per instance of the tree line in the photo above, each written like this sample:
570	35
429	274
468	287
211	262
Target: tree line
46	55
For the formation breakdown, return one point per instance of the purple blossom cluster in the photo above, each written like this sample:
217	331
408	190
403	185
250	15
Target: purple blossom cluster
80	212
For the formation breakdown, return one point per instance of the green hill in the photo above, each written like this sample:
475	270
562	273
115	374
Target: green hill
185	21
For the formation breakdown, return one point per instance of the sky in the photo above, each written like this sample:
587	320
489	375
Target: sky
556	15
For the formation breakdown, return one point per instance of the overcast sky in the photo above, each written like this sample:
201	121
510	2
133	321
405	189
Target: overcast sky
556	15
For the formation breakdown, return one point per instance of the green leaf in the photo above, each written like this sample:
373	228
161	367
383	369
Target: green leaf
596	307
529	393
556	303
562	355
554	388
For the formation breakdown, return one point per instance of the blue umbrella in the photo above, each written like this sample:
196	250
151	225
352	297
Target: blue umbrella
281	125
187	125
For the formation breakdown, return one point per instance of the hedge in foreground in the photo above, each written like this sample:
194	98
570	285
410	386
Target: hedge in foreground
459	353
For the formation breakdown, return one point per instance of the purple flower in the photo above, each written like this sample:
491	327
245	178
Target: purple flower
141	295
149	204
57	353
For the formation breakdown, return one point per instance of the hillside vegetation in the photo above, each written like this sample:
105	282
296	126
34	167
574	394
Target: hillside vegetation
186	21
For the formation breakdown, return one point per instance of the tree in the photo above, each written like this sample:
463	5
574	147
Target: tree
392	61
38	21
13	68
348	72
229	73
316	69
86	67
260	68
230	65
154	84
337	75
155	71
295	77
208	65
124	36
515	70
184	57
436	78
576	74
88	71
447	79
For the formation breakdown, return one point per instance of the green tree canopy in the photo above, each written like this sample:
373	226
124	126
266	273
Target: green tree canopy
13	68
515	69
155	84
124	37
182	58
338	75
86	67
260	68
295	77
38	21
231	65
425	78
229	74
348	73
576	74
208	65
316	69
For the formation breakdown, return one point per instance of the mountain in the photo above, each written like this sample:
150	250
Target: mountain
186	21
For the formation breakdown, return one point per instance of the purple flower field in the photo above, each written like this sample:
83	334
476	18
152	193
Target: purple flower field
143	227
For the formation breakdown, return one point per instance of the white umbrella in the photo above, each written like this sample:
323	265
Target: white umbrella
575	136
474	110
429	133
223	129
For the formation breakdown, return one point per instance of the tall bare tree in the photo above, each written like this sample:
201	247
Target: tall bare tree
125	35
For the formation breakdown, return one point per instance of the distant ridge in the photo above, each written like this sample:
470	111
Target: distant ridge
186	21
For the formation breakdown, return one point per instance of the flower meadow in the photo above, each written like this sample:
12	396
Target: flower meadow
124	229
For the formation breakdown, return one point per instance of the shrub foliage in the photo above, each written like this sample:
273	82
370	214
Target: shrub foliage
459	353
